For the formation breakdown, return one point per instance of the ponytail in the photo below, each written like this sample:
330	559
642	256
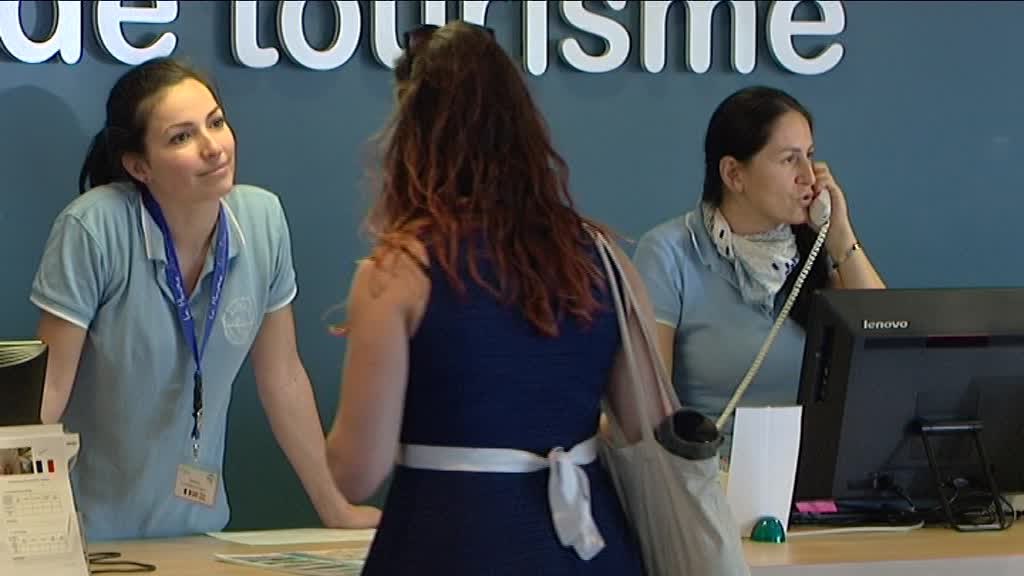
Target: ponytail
97	168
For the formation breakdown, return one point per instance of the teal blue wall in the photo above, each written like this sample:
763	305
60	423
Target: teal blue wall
920	122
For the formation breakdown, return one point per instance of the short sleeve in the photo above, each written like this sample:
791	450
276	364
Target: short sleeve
70	280
283	287
656	261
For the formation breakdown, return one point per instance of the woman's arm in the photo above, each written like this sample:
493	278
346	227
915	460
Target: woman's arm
385	303
64	342
287	398
853	268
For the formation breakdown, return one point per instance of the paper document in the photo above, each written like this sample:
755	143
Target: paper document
296	536
762	470
39	531
323	563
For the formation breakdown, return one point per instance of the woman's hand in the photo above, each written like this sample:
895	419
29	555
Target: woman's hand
840	233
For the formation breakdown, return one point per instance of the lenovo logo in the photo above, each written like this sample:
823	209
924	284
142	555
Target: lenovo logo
886	324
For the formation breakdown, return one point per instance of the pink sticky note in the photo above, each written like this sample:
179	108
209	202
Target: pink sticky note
821	506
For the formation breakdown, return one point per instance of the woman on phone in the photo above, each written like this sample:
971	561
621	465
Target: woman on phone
718	275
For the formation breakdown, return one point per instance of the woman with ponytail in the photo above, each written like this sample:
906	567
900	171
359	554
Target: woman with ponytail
719	275
154	286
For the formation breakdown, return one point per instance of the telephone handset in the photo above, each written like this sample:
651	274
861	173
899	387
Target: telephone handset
820	210
819	218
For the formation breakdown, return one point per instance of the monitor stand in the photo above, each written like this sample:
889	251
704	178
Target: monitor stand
929	429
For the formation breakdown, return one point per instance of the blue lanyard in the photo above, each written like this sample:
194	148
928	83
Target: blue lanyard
177	286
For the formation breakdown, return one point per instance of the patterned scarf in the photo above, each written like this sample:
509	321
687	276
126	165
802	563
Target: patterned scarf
762	261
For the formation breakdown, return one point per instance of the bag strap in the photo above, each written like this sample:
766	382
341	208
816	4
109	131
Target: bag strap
783	314
667	393
625	309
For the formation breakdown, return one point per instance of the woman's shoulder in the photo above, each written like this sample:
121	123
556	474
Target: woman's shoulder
395	275
105	199
673	238
258	214
249	199
401	248
103	208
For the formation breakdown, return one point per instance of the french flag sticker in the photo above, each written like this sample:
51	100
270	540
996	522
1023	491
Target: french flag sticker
50	467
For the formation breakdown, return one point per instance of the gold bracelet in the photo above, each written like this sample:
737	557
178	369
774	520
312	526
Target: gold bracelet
856	246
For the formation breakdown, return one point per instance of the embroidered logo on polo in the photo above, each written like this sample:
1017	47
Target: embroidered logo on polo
239	318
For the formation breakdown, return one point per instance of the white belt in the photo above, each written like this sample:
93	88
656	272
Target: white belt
568	485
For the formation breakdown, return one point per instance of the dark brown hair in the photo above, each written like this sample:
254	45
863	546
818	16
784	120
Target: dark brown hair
128	107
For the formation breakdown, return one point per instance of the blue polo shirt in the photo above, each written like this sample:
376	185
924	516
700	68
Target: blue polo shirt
695	291
103	270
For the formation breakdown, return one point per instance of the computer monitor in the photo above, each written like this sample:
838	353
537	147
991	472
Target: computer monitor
22	374
878	362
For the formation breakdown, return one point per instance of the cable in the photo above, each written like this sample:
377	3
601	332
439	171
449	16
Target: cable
903	494
745	383
987	514
854	529
109	563
973	512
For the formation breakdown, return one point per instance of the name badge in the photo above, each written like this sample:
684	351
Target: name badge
196	485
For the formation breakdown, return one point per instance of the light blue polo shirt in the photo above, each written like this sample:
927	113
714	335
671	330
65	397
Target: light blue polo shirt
103	270
695	291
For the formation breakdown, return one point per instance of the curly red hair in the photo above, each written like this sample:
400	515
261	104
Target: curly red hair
466	155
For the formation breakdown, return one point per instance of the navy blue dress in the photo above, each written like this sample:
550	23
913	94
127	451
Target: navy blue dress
480	375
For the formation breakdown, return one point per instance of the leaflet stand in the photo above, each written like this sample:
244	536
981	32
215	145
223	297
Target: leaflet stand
40	531
929	429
